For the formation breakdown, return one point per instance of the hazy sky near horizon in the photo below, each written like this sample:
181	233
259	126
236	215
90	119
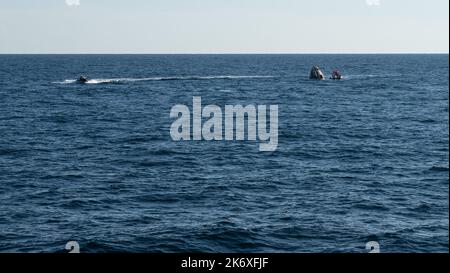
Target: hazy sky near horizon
224	26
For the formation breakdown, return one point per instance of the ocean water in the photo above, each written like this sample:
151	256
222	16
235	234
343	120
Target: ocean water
362	159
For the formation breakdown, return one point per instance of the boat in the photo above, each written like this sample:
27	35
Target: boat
82	79
336	75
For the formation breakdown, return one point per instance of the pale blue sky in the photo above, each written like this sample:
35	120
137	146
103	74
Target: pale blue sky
224	26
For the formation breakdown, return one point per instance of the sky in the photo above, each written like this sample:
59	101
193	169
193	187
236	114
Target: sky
224	26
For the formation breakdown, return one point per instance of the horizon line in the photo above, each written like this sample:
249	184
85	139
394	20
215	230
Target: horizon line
226	53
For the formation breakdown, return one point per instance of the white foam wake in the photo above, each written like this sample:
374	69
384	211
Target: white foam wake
180	78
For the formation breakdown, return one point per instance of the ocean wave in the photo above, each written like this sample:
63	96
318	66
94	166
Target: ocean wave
438	169
175	78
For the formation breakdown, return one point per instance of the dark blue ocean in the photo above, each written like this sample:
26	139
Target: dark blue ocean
358	160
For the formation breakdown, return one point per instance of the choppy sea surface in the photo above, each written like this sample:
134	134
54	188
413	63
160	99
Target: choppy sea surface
358	160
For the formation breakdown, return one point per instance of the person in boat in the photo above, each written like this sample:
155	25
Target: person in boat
316	73
336	75
82	79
